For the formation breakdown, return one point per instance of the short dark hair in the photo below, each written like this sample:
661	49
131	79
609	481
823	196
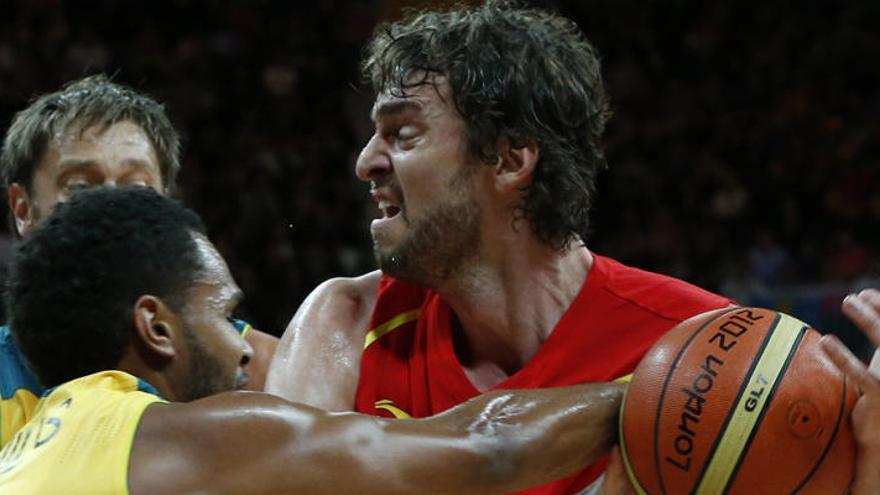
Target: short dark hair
84	103
74	280
517	73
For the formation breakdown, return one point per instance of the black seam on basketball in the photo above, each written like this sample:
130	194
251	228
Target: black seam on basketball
830	440
732	410
770	395
663	394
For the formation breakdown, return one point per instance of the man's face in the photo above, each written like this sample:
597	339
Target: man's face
425	183
121	154
216	351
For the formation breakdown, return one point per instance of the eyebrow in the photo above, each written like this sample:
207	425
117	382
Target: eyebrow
395	107
69	163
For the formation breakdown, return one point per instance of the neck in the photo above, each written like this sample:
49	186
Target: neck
508	303
156	375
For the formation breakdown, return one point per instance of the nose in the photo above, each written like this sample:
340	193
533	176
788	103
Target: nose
373	161
247	353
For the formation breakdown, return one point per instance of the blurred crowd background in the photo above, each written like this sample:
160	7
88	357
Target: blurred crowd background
743	152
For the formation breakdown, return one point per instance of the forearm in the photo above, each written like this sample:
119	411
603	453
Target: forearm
545	434
496	443
499	442
317	361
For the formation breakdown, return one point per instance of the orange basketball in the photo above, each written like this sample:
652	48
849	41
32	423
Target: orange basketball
738	401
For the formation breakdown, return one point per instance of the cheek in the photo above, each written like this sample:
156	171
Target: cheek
233	348
221	340
416	186
46	195
42	207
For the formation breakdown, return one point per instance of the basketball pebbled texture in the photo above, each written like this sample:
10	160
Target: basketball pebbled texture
739	401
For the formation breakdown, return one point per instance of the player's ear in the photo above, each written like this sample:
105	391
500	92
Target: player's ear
516	163
22	208
156	326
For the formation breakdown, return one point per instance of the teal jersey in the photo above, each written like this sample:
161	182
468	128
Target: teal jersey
19	387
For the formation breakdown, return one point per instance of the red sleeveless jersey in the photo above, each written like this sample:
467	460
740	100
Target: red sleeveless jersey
409	367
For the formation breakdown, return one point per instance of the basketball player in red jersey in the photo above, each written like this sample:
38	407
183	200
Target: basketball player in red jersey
487	143
483	162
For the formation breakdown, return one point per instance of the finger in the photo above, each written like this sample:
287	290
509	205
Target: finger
874	367
861	310
615	480
872	297
848	363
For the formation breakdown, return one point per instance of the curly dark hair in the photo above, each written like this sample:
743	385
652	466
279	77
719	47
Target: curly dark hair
74	280
91	101
518	73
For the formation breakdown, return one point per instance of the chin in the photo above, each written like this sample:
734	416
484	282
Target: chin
383	252
385	260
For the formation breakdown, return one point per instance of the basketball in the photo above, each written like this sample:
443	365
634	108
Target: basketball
738	401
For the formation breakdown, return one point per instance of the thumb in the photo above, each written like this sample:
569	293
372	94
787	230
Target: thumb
616	481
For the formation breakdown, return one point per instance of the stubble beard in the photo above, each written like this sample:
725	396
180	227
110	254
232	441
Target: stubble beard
438	246
207	375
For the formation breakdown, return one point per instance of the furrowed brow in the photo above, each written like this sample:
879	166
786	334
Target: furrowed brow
391	108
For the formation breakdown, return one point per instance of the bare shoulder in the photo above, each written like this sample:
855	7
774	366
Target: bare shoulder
227	410
358	290
181	447
318	359
353	297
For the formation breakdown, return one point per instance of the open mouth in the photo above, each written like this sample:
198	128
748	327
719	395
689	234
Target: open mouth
388	210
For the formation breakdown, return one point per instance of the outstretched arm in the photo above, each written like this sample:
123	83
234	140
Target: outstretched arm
864	310
318	359
496	443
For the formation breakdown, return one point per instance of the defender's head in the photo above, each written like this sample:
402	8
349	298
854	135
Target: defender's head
124	278
91	132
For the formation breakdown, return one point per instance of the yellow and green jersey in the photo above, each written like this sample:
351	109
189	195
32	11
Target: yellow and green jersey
19	388
79	439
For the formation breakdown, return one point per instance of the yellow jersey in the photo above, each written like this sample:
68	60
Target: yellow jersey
79	439
19	388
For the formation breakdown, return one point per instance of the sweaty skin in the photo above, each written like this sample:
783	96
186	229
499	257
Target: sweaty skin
499	442
317	361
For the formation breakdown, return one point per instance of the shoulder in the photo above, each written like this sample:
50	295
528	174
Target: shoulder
164	421
395	295
181	447
356	291
346	298
665	296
